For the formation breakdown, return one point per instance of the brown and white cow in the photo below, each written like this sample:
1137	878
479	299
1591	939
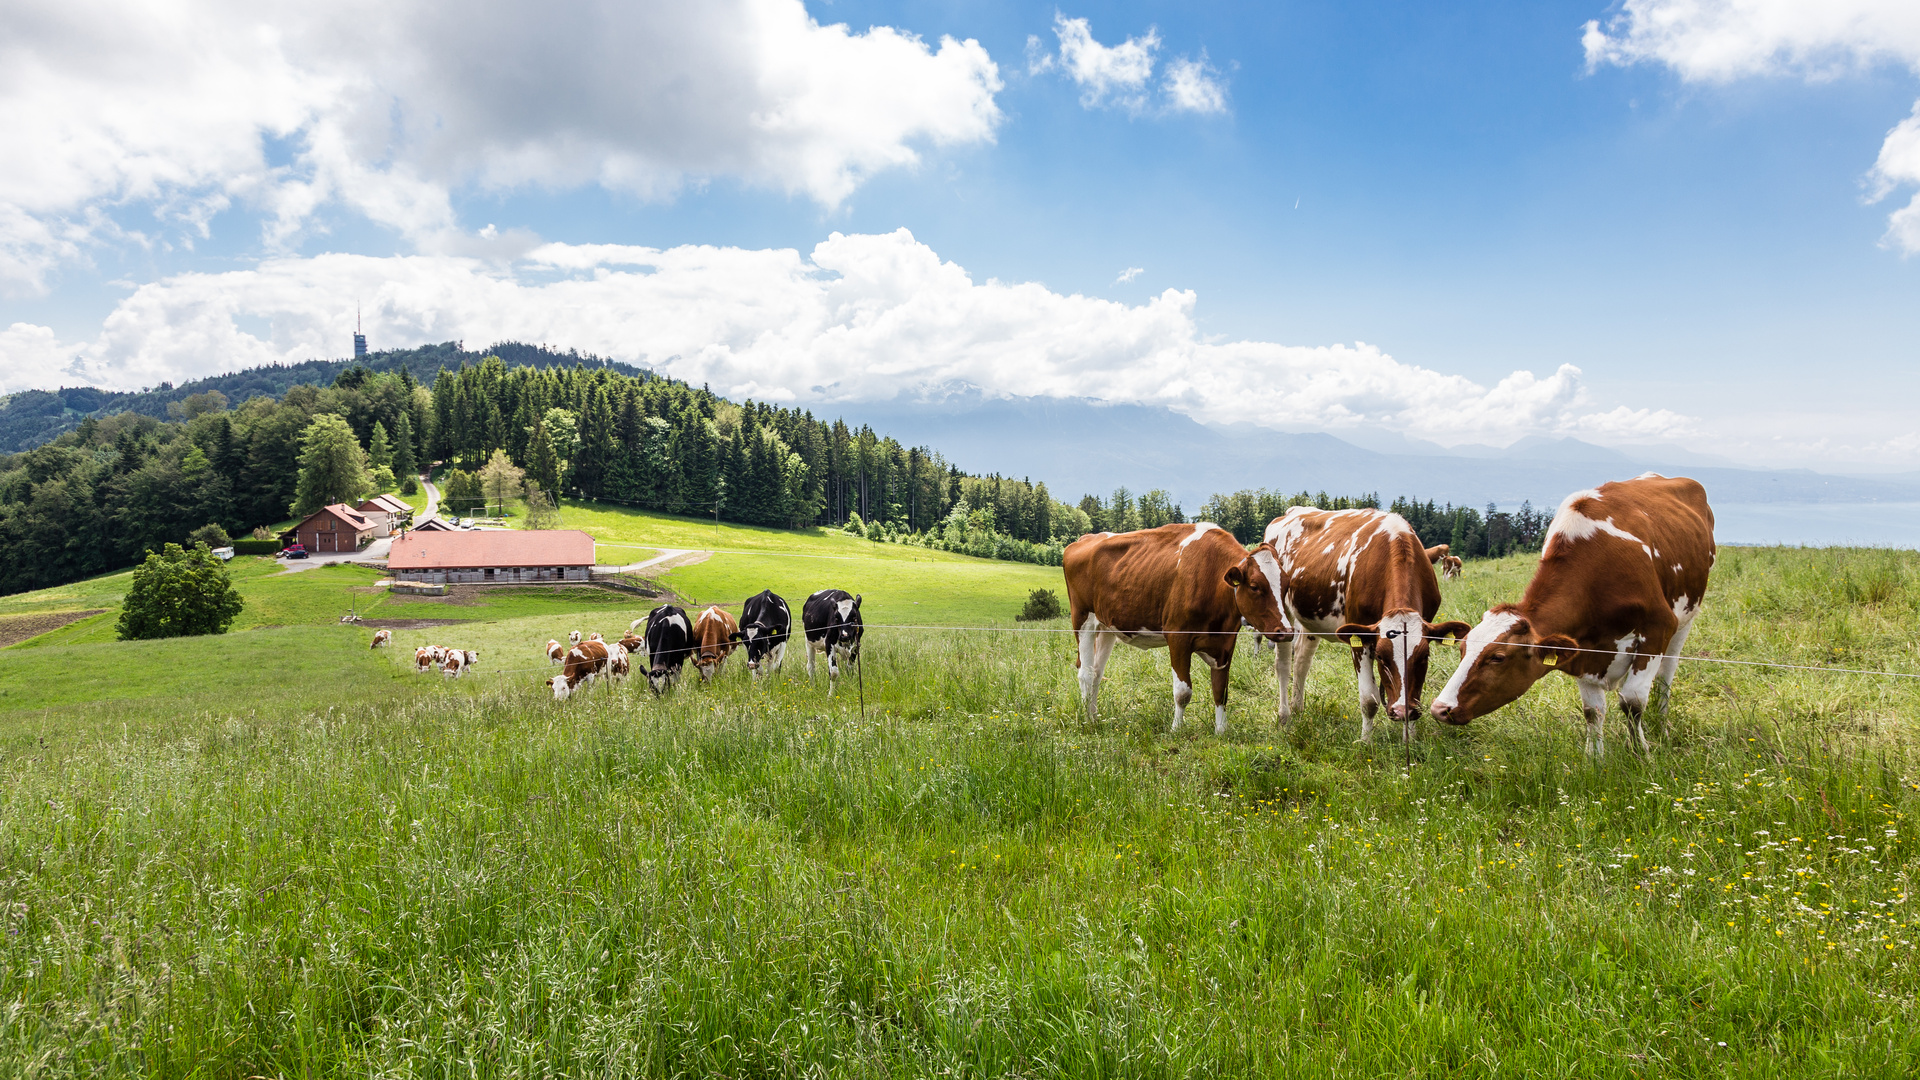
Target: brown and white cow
584	661
427	657
1620	580
715	633
556	654
1362	576
1187	588
1449	564
381	638
573	638
458	661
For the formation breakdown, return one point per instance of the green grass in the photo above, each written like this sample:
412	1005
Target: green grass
281	853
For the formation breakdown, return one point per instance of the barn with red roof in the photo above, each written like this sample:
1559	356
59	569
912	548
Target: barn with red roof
492	556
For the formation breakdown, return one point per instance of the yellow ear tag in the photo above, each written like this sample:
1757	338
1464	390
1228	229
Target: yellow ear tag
1354	641
1550	660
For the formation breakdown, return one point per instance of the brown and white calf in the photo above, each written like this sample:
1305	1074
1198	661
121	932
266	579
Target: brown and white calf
458	661
1620	581
1185	588
584	661
1449	564
715	633
382	638
556	654
573	638
1362	576
427	657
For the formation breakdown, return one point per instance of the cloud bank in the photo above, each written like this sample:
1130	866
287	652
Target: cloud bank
386	107
1120	76
1722	40
862	318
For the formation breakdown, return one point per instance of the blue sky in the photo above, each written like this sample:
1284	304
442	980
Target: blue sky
1689	220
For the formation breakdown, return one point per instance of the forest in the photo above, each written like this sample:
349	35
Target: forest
120	483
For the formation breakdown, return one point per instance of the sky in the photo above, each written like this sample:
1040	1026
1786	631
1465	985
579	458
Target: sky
1685	223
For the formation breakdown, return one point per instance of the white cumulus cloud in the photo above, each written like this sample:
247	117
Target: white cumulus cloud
1129	274
1120	75
1721	40
386	107
860	318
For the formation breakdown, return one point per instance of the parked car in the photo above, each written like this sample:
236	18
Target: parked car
223	553
293	551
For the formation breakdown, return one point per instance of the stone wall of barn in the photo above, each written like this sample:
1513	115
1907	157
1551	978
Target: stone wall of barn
506	575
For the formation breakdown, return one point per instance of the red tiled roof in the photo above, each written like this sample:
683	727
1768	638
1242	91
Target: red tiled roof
491	547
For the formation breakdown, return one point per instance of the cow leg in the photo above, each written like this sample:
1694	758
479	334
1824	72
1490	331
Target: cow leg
1669	664
1634	691
1369	692
1180	652
778	654
812	647
1593	702
1283	675
1303	649
1221	668
1095	648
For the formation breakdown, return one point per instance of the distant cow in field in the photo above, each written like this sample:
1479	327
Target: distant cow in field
619	661
765	625
1186	588
831	621
584	661
1619	583
1362	576
595	636
382	639
427	657
573	638
1449	564
715	634
555	653
458	661
670	645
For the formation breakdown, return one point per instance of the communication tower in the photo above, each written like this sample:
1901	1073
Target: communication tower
359	339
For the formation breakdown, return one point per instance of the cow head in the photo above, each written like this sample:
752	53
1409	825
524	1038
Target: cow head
661	677
843	637
1256	586
560	687
1399	644
1499	660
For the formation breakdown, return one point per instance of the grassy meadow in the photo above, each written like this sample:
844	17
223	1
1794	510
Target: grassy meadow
281	853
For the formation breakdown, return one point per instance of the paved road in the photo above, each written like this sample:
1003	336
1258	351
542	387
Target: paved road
374	551
433	501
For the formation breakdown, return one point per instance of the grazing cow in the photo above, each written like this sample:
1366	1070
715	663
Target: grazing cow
831	621
595	636
424	658
1449	564
1362	576
765	624
584	661
669	645
555	654
458	661
1183	587
573	637
714	634
1620	580
382	638
619	664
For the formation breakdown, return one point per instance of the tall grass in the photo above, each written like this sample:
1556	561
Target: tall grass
388	876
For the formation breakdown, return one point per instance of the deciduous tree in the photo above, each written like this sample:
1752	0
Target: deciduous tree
333	468
179	593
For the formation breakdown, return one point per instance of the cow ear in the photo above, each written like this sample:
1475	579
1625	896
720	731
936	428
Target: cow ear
1358	635
856	601
1455	629
1236	575
1556	650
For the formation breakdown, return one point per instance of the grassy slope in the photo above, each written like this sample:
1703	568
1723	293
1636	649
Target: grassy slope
322	863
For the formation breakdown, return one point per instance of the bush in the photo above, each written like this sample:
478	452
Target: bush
256	547
261	532
854	526
409	486
178	593
211	535
382	478
1041	604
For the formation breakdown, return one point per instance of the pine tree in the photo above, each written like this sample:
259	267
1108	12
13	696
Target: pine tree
404	464
543	465
380	447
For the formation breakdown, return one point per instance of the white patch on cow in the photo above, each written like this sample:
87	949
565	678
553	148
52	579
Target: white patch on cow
1684	609
1182	693
677	619
752	632
846	608
573	637
1622	657
1219	720
1200	529
1650	476
1263	558
1486	633
1570	524
1593	702
1407	630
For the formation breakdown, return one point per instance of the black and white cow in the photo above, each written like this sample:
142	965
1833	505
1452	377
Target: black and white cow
765	625
831	619
670	645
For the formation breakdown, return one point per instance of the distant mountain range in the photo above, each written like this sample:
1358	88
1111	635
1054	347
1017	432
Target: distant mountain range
32	417
1080	446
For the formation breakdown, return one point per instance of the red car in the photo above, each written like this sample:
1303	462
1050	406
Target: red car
293	551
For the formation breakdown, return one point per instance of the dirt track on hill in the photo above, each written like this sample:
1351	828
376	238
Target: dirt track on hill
17	628
409	624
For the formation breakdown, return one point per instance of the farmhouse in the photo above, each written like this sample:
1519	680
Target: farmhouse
337	527
492	556
385	512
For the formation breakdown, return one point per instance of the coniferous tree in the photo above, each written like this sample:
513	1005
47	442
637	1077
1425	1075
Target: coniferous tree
404	463
380	447
543	465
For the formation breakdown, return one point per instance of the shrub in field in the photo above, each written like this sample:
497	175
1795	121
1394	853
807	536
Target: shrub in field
409	486
178	593
211	535
854	526
1041	604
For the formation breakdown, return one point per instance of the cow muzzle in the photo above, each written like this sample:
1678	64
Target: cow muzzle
1448	714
